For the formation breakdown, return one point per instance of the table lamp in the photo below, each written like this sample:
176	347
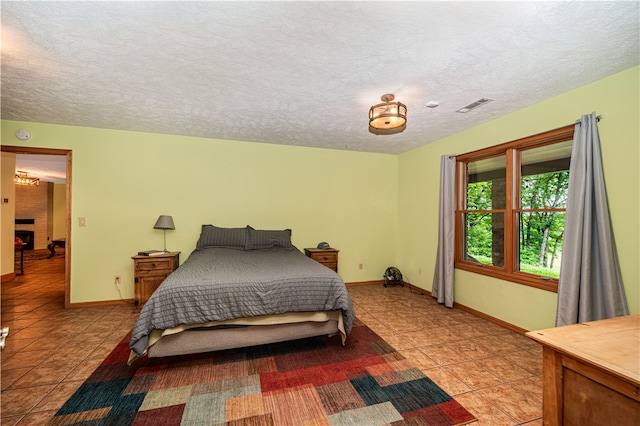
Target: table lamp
164	222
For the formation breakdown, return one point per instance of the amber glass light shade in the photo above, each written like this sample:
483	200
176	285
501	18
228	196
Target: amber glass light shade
387	117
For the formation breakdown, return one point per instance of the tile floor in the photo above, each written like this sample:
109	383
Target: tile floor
50	351
493	372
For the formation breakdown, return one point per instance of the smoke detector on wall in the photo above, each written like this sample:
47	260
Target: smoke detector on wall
23	134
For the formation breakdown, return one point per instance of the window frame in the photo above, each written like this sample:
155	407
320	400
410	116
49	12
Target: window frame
510	150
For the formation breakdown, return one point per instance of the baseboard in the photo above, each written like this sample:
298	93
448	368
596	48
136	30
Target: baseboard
102	303
357	283
458	306
8	277
490	318
350	284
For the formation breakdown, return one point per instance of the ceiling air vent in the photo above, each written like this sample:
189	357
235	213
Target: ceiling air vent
474	104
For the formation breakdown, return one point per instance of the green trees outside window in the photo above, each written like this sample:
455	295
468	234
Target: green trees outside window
540	229
511	211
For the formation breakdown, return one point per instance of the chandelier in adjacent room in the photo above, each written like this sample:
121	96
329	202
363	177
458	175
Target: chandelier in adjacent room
387	117
22	178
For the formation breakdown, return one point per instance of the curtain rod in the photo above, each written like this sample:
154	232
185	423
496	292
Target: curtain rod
598	118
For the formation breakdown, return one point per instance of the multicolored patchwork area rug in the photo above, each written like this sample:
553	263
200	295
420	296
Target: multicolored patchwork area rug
314	381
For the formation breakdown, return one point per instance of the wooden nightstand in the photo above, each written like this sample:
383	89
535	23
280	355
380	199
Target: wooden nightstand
150	271
328	257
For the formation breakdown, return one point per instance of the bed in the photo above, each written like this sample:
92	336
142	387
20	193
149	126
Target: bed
241	287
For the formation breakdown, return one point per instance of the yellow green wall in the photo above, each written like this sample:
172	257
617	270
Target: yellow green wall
616	99
122	181
379	210
59	210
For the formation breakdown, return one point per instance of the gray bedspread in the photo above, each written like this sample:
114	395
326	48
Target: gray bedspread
217	284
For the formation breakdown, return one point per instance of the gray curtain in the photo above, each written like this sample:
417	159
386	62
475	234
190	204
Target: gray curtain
590	286
442	288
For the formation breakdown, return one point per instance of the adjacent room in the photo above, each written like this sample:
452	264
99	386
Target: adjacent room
392	187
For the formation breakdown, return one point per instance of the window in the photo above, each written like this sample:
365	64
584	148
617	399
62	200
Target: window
510	212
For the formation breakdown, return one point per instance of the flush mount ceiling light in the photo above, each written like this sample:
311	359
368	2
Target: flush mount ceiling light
388	117
23	179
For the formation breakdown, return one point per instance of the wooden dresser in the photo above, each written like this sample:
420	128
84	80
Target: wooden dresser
150	271
328	257
591	373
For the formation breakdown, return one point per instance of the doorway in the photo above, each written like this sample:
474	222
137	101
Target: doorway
67	219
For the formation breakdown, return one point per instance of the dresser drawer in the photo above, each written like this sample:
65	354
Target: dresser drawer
331	265
154	264
330	257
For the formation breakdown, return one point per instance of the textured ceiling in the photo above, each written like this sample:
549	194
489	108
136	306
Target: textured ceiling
302	73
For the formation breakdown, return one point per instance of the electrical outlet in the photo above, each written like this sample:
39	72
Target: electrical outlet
117	280
360	266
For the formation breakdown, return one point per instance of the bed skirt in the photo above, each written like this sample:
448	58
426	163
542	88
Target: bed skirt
197	341
242	332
